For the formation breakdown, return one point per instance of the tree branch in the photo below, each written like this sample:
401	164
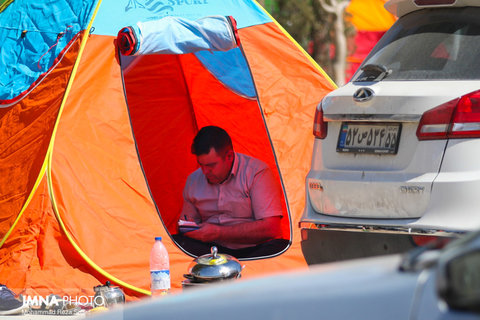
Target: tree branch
327	7
344	5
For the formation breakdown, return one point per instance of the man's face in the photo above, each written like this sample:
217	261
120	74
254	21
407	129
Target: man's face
214	166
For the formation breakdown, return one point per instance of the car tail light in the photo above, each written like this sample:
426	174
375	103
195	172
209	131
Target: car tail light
459	118
319	124
433	241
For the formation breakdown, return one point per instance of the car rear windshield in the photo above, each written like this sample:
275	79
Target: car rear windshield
430	44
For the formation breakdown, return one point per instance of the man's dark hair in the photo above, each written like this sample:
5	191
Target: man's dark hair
211	137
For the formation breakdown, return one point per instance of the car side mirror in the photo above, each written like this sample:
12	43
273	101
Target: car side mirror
458	276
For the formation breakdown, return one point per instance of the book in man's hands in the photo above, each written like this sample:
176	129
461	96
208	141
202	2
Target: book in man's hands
186	226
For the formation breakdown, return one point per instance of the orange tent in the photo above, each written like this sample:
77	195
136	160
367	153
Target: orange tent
371	20
94	148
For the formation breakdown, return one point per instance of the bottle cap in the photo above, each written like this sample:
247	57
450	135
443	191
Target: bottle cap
158	238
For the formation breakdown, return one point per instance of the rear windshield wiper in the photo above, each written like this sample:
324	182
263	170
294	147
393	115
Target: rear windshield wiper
373	72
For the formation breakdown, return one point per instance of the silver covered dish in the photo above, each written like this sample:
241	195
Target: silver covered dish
213	267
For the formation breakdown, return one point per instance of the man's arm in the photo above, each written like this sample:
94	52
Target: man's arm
254	231
189	211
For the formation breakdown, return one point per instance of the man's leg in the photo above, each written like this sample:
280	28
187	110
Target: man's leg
199	248
192	246
262	250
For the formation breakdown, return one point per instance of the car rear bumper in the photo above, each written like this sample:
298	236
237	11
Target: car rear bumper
330	245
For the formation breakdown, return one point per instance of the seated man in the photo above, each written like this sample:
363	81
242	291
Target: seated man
234	198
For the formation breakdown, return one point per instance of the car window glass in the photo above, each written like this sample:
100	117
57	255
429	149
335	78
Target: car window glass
440	44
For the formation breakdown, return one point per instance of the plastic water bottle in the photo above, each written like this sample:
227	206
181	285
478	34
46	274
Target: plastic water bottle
159	269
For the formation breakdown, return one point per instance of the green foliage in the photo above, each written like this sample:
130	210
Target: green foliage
310	25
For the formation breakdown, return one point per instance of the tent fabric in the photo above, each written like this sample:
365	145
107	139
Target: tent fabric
174	35
206	36
31	44
25	133
231	69
105	141
116	14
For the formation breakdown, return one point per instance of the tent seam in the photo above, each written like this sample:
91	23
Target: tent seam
27	202
274	157
188	95
136	145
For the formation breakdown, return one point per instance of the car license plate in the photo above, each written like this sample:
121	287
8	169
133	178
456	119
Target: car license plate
380	138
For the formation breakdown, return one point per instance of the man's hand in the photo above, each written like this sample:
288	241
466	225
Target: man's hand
207	232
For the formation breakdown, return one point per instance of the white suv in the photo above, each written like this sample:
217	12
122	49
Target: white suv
397	149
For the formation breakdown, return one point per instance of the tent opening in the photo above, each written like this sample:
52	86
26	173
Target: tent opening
170	97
